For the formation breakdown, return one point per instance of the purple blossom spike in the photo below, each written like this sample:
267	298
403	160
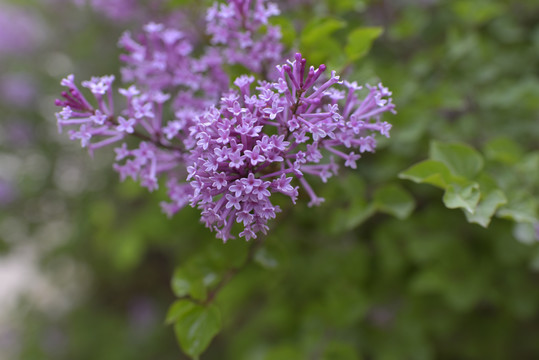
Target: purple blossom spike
309	126
226	151
98	126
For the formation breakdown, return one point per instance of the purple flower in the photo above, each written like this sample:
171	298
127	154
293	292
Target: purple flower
239	25
98	127
308	107
126	125
227	151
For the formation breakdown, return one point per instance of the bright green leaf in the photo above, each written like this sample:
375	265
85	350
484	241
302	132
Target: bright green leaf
288	32
323	51
178	309
429	172
462	160
316	42
360	41
394	200
320	28
486	208
196	328
519	209
465	197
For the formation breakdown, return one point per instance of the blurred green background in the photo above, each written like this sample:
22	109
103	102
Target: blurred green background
382	270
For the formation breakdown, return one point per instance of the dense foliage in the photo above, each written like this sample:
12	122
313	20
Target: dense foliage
427	250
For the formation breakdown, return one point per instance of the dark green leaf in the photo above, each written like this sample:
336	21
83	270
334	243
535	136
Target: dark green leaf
185	282
228	255
196	328
356	214
394	200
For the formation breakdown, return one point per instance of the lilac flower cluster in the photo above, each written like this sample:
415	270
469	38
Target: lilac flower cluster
142	117
160	59
226	150
238	25
254	145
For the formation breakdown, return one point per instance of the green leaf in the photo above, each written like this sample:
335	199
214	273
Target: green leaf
429	172
503	150
196	328
528	168
462	160
519	209
394	200
478	11
178	309
185	282
320	28
465	197
316	41
356	214
525	233
347	5
360	41
486	208
288	32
